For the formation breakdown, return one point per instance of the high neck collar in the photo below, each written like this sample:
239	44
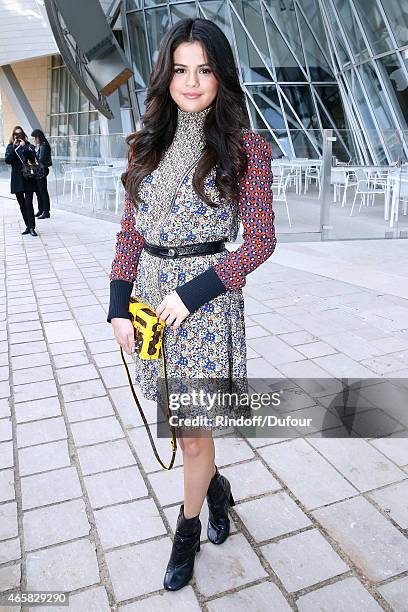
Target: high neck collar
188	120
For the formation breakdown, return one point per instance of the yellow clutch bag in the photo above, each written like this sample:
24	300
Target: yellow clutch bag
149	333
149	330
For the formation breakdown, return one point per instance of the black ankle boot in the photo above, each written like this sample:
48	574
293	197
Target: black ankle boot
219	498
185	545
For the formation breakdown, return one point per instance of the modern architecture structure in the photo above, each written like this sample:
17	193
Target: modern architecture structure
305	65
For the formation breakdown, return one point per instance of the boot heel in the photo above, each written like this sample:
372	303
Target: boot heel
231	500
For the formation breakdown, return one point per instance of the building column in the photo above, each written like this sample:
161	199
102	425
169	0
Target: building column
12	89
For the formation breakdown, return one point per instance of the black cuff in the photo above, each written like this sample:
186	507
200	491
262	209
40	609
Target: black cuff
201	289
120	292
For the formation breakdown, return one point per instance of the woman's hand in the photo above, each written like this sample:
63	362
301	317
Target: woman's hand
124	334
172	310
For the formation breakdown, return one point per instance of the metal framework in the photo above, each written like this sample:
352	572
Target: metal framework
298	68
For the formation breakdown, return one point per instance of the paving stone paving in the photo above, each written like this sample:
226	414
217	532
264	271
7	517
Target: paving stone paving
320	522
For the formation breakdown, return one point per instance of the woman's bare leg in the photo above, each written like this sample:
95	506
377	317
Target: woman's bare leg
199	468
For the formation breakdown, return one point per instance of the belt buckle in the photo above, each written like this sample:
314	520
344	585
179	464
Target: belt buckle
172	252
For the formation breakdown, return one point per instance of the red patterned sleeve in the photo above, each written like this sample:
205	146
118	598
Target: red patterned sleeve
257	216
129	245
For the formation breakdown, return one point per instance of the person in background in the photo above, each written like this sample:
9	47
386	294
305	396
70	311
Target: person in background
17	150
43	154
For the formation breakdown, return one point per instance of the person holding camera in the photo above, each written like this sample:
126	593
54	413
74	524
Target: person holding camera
19	152
43	155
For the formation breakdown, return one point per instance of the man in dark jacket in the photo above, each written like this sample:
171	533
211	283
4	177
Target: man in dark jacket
20	151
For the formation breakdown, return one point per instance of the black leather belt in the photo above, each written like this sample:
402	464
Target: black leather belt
186	250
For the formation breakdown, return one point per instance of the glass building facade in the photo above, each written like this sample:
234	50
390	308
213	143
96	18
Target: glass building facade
305	66
70	110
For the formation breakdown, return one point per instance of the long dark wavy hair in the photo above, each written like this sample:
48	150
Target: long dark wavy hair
40	134
223	124
18	127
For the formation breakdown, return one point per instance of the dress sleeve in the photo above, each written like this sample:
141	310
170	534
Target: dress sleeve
259	241
129	245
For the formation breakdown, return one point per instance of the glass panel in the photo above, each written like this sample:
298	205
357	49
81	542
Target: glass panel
286	66
267	100
252	66
83	123
141	95
331	100
72	124
303	144
319	68
126	116
337	36
133	4
183	11
54	125
284	142
63	91
313	14
154	2
283	15
83	102
377	96
251	15
397	13
158	22
358	100
394	145
363	194
124	99
73	96
55	75
63	125
217	11
93	123
352	29
399	82
139	52
373	25
302	103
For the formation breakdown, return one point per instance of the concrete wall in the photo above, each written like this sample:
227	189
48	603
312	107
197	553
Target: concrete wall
33	76
24	31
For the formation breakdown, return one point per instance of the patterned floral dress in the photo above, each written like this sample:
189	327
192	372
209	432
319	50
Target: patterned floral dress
210	342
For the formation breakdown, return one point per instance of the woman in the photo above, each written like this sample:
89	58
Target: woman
194	170
43	154
17	151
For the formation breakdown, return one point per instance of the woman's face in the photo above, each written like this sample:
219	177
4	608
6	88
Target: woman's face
193	86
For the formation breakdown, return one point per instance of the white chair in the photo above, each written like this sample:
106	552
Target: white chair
103	183
368	186
279	186
88	183
77	181
400	188
312	173
339	178
291	173
66	168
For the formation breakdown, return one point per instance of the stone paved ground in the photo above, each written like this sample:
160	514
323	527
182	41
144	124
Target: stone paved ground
319	523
